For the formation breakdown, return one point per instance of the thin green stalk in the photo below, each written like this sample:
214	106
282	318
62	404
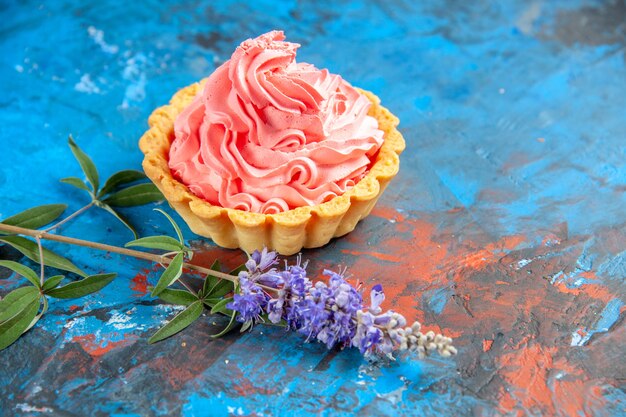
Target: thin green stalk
41	264
70	217
184	284
53	227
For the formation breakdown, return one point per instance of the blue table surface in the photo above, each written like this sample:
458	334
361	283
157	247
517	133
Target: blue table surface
505	227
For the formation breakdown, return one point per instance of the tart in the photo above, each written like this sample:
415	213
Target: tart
269	153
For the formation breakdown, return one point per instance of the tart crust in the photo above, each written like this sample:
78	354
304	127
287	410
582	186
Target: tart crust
287	232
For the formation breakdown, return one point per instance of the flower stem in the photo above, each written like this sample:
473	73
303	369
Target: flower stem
37	234
184	284
55	226
70	217
42	266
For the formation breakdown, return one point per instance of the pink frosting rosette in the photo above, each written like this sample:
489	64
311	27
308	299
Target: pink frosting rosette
268	134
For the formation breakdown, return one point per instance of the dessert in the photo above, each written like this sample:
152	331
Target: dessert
270	152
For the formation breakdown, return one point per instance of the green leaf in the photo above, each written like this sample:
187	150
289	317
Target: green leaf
83	287
16	300
210	281
36	217
231	324
247	325
222	288
210	302
135	195
86	164
216	287
29	249
118	216
173	271
76	182
22	270
33	322
213	300
52	282
121	178
180	297
12	328
38	316
179	322
176	228
220	307
266	320
157	242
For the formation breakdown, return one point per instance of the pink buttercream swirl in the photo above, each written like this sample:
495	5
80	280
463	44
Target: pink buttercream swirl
268	134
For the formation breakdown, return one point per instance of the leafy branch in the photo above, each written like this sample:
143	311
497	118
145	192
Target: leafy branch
19	310
217	285
23	307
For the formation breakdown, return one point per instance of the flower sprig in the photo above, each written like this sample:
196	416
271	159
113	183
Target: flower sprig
330	312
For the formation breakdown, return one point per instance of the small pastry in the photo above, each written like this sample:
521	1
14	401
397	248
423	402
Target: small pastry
267	152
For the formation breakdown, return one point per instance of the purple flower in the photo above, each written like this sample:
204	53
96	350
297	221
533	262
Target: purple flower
379	332
257	266
275	308
327	311
291	297
377	296
298	282
272	278
311	314
367	337
250	301
260	261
